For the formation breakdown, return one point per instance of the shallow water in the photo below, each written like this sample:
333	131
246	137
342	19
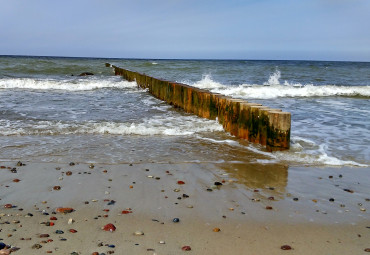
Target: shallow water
46	114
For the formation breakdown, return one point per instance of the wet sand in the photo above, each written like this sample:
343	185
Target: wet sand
258	208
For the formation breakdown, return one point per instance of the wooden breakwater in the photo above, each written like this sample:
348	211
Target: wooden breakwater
250	121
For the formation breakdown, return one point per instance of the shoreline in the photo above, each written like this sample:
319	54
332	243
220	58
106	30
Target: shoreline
154	196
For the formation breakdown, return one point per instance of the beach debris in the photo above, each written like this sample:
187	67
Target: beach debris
64	210
176	220
180	182
138	233
109	227
286	247
186	248
216	230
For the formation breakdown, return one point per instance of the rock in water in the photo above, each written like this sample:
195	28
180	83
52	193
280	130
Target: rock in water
85	74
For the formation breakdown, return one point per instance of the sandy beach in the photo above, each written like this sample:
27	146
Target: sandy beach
221	208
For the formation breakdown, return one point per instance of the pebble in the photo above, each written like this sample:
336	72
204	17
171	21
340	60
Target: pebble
138	233
216	230
363	209
162	242
367	250
59	232
268	207
109	227
70	221
331	199
73	230
180	182
176	190
64	210
176	220
286	247
56	188
8	206
91	166
36	246
186	248
126	212
69	173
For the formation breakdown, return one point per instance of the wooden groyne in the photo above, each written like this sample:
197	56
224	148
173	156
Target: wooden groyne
249	121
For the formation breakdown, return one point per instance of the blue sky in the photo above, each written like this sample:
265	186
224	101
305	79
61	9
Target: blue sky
212	29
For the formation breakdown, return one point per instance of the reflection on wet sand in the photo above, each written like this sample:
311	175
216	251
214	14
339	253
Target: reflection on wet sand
266	180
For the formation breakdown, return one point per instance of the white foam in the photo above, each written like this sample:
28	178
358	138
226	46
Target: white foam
167	126
273	89
79	84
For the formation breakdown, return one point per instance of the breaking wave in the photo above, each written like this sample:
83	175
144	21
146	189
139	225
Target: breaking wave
78	84
273	89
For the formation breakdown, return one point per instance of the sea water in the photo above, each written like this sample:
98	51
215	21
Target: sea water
50	114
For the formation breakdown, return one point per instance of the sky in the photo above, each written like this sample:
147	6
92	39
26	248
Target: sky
188	29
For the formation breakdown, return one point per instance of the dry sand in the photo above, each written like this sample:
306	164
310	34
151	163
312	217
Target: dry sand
258	208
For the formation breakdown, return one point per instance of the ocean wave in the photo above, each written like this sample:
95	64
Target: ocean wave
167	126
273	89
78	84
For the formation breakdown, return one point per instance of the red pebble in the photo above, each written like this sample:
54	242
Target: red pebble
186	248
8	206
51	224
53	218
180	182
50	240
73	230
16	180
285	247
64	210
126	212
106	210
109	227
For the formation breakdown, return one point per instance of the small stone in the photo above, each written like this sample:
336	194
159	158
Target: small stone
16	180
162	242
180	182
74	253
176	220
95	253
348	190
218	184
59	232
56	188
91	166
44	235
126	212
362	209
64	210
189	206
53	218
8	206
216	230
268	207
295	199
36	246
186	248
70	221
72	164
109	227
176	190
286	247
73	230
138	233
331	199
209	190
68	173
367	250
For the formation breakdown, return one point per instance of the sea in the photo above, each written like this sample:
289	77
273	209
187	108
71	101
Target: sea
48	113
